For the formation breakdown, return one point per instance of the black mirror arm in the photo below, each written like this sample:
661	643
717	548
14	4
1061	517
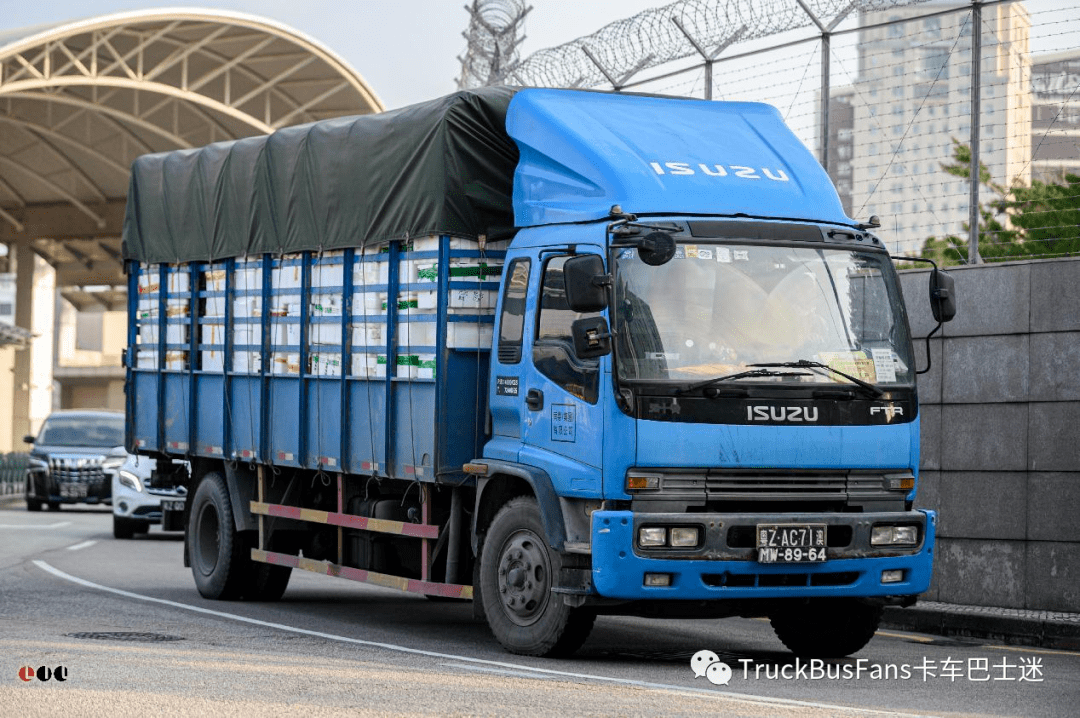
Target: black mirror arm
928	359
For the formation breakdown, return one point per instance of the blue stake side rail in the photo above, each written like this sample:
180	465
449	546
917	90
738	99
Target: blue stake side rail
188	395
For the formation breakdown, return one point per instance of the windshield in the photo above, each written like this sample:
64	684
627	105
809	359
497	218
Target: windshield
719	309
96	431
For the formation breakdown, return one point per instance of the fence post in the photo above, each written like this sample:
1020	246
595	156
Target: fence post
976	94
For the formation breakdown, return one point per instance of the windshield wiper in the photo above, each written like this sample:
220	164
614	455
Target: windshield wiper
739	375
871	389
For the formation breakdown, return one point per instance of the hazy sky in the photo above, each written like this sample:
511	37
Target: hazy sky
406	49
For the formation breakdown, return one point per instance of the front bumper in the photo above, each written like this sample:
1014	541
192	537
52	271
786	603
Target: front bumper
43	486
725	566
141	505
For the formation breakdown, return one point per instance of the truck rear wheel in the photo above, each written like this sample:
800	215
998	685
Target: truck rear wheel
216	549
517	572
826	628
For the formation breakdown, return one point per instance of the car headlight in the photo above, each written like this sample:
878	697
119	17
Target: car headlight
113	462
131	481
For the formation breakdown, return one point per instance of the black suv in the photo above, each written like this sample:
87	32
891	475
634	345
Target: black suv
74	457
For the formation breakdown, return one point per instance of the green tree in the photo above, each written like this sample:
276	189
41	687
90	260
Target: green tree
1042	220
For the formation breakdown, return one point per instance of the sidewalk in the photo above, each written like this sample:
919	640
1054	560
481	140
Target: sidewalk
1044	629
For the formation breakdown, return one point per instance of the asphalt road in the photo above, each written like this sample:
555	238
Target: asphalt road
333	647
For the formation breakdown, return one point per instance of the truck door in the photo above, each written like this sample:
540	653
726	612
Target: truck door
562	421
506	399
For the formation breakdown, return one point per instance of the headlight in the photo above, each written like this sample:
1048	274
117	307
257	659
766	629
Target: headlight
131	481
113	462
894	536
652	537
685	536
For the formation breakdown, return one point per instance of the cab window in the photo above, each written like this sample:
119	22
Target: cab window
553	347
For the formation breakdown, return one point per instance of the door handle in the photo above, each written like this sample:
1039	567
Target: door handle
534	399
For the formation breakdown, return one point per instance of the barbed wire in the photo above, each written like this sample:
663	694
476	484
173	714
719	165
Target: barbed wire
496	29
622	49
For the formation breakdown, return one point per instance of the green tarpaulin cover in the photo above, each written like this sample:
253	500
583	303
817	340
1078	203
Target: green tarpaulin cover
439	167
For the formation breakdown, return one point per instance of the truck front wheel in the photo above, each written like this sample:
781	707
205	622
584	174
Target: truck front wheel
517	572
216	549
826	628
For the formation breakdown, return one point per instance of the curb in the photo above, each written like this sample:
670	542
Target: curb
1042	629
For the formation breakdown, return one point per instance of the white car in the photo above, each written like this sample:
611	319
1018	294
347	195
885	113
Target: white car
136	505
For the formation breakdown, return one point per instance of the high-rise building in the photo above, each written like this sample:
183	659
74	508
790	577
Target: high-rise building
912	101
1055	115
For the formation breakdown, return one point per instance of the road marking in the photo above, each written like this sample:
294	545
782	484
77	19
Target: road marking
699	692
1023	649
499	671
907	636
84	544
59	524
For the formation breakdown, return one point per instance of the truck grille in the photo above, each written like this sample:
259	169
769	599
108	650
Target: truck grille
756	488
76	470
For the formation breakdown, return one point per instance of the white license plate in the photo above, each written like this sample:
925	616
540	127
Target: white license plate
791	543
73	491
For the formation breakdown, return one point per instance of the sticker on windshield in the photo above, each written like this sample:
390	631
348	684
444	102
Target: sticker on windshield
856	364
723	254
662	355
884	365
692	251
703	253
742	255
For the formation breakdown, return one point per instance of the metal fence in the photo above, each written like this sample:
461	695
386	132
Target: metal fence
890	97
13	473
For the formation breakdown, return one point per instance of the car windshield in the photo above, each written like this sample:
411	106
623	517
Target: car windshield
95	431
719	309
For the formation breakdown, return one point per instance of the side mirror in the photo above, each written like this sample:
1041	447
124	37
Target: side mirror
583	292
942	296
592	337
28	439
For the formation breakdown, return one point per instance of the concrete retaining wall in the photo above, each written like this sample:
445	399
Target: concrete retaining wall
1000	439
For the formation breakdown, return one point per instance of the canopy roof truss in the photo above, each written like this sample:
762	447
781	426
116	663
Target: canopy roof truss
80	101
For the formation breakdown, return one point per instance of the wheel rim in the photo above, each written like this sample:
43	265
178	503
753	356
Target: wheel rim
524	577
206	536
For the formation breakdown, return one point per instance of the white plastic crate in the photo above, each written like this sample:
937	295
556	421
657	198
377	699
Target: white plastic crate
150	281
174	361
426	367
416	333
247	334
214	280
289	276
212	360
285	334
369	334
325	305
369	304
248	276
174	333
148	308
212	334
468	335
284	363
247	362
324	364
247	307
325	333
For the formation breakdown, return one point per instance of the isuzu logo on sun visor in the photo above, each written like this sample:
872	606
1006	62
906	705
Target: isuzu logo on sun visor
781	413
714	170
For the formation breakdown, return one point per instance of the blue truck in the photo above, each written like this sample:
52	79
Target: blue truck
562	353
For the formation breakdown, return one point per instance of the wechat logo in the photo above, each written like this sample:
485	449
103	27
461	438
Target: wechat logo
708	664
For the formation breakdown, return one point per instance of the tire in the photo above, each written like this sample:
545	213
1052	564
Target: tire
267	582
827	628
33	505
122	528
517	568
216	549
